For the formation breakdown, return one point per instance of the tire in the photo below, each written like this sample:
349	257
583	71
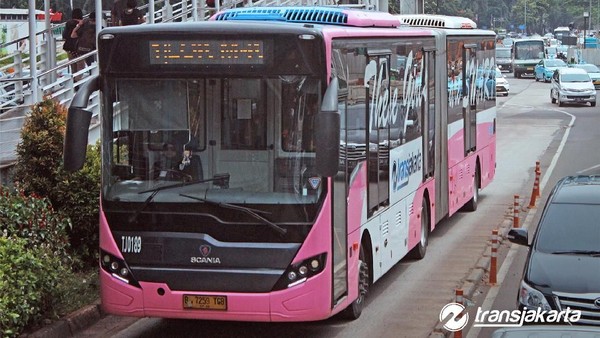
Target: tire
472	203
593	104
419	251
552	99
560	104
515	75
536	79
354	310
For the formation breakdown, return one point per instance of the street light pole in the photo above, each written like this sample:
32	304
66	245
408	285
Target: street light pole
590	16
585	18
525	17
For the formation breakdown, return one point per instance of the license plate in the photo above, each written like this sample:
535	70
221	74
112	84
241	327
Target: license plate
529	68
203	302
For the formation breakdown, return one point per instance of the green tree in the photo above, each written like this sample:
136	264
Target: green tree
40	151
39	171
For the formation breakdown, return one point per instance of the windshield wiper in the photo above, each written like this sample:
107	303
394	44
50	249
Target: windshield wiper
249	211
577	252
155	191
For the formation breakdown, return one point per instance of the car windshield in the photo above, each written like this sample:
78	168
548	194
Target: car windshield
503	53
569	227
589	68
555	63
575	78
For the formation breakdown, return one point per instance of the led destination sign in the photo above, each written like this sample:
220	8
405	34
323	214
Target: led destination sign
207	52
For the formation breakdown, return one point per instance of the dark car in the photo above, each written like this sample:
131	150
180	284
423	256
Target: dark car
547	331
504	59
563	264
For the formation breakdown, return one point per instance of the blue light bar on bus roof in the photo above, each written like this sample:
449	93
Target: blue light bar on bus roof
317	15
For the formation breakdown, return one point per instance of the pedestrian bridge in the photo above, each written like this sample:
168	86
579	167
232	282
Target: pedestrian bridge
22	86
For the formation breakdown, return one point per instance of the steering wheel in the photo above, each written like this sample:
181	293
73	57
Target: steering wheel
170	175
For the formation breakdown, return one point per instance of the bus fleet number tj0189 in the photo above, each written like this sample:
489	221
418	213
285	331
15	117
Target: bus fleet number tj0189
131	244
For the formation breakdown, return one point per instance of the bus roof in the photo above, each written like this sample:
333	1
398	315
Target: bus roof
437	21
317	15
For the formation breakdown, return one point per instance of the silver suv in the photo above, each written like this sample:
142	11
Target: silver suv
572	85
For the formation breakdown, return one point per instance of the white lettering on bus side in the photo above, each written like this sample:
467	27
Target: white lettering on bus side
480	75
384	111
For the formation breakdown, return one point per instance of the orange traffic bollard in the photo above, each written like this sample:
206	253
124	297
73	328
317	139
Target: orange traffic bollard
516	212
535	193
460	300
494	258
538	172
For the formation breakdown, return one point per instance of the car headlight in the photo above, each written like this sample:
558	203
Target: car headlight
532	298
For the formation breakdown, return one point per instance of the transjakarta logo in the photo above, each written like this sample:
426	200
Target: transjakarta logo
456	320
402	170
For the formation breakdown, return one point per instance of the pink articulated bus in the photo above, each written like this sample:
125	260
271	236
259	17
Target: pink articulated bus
271	164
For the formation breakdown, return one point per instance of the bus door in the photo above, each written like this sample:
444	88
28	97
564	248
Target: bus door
237	131
378	126
428	108
469	97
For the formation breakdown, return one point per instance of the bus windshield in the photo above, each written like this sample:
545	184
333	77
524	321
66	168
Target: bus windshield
525	50
228	140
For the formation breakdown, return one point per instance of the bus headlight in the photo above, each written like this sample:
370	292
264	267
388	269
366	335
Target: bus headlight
117	268
298	273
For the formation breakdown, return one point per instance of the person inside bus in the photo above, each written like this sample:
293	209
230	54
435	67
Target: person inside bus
168	161
191	164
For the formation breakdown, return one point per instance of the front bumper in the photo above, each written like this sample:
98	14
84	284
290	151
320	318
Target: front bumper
501	90
525	69
577	98
506	67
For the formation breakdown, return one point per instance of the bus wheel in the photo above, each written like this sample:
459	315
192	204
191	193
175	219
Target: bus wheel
472	204
354	310
419	251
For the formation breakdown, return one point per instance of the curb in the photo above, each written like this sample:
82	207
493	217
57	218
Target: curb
71	324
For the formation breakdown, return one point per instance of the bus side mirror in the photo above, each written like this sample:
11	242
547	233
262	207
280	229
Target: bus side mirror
78	125
327	132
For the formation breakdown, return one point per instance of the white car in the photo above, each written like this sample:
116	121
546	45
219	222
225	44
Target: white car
502	86
592	71
572	85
